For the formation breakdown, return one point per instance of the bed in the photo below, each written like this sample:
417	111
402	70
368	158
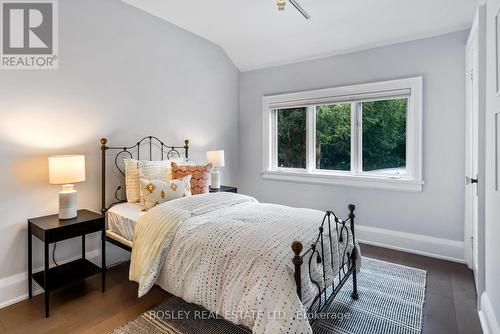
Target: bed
121	221
234	256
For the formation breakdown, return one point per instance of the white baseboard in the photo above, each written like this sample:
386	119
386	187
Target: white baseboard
14	288
487	317
412	243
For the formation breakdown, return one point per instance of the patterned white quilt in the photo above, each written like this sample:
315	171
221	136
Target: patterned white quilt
231	255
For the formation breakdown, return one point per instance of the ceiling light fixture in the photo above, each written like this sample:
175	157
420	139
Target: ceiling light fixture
281	6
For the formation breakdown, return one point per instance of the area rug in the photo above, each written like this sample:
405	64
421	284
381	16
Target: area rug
391	300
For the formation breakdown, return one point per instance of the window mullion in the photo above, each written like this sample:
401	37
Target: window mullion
359	129
274	138
311	138
354	137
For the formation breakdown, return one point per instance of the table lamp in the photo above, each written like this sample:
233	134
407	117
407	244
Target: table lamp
216	158
66	170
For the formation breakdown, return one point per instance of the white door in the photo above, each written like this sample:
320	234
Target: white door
471	153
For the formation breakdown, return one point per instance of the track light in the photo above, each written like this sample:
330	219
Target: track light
281	6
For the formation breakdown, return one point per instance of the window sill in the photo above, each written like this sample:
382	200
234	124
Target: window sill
347	179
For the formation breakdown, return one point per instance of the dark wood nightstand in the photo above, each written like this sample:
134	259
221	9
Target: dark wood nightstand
227	189
50	229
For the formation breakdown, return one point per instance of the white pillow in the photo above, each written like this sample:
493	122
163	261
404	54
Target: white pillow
132	180
135	169
156	170
148	169
183	162
155	192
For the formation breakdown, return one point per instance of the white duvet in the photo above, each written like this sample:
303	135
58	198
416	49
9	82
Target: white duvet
231	255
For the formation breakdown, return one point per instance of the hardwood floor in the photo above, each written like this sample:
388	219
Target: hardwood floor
450	305
450	299
82	307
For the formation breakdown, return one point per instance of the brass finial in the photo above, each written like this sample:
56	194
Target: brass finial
297	247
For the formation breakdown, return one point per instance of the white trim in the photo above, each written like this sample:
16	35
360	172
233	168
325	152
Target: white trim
357	138
478	32
410	88
311	135
14	288
471	142
343	179
439	248
497	50
366	91
487	318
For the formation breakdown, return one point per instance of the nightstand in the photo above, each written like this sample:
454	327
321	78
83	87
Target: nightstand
227	189
50	229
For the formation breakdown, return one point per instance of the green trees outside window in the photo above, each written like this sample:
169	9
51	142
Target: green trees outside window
333	137
383	131
292	137
384	134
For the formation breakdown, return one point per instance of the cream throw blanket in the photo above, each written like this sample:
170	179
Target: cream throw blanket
231	255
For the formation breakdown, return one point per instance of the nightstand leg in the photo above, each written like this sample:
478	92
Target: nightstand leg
103	260
83	246
30	260
46	279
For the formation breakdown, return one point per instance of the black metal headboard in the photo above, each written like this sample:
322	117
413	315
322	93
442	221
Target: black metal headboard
150	142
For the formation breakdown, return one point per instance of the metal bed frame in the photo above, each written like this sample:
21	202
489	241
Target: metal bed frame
339	234
168	151
328	232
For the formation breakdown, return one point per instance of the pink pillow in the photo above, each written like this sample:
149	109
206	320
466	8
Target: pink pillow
199	176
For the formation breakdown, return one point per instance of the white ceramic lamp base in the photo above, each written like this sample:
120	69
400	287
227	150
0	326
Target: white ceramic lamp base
215	180
67	202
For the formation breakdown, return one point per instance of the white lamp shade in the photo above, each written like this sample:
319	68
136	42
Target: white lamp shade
65	169
216	158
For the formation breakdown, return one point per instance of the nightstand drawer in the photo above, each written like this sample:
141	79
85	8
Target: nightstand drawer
68	232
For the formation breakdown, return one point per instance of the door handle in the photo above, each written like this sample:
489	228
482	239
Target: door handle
470	180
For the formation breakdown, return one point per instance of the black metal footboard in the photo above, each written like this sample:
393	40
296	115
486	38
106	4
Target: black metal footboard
336	236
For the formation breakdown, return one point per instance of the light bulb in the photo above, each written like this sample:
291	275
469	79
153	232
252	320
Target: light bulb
281	4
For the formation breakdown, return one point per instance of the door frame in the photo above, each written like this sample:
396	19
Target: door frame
477	35
471	146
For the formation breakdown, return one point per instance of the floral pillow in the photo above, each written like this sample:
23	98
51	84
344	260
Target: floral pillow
155	192
199	176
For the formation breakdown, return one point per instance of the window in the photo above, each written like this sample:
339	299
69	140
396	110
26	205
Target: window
364	135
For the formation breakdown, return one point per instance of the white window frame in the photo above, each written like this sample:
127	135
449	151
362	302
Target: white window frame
410	88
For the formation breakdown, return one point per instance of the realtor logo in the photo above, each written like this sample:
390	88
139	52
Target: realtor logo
29	34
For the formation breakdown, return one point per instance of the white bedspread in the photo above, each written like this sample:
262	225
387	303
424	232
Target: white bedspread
231	255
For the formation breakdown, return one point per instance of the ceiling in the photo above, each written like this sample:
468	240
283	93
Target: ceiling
255	34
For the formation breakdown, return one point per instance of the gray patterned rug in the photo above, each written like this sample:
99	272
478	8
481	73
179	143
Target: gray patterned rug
391	300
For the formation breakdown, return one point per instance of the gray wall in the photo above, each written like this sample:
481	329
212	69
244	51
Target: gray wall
122	74
437	211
